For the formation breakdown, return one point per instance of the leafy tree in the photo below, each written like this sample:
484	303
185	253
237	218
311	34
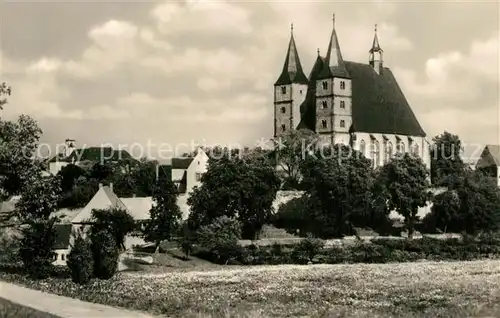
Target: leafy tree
338	180
290	151
69	175
39	197
446	163
80	260
105	253
101	171
405	179
165	215
115	221
220	238
294	216
82	192
4	91
244	188
445	212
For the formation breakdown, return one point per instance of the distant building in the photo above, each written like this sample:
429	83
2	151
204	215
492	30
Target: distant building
489	162
63	243
72	155
349	103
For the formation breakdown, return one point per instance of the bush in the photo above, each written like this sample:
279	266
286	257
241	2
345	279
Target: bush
307	249
220	239
80	261
105	253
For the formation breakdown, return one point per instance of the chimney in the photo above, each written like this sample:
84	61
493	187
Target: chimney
100	185
69	147
111	186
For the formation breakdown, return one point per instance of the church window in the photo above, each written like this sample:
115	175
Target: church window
283	110
388	152
325	85
342	104
362	147
324	104
323	123
375	153
342	85
401	147
283	89
283	127
416	150
342	123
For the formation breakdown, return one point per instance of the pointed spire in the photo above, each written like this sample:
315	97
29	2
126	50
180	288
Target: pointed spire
318	52
375	45
334	59
292	69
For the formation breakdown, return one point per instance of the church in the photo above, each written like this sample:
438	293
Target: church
352	103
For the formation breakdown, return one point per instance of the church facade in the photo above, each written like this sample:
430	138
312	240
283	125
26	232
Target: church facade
352	103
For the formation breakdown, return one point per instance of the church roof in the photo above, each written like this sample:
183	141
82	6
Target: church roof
292	69
378	103
334	65
95	154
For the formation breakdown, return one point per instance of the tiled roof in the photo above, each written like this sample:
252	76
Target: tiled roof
95	154
63	235
378	104
489	157
292	69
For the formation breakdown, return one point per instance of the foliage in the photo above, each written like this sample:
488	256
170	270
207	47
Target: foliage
39	197
105	253
18	143
101	171
406	184
37	247
290	151
135	178
220	238
69	175
446	163
80	261
165	214
4	91
307	249
338	180
294	216
444	214
115	221
187	239
235	187
82	192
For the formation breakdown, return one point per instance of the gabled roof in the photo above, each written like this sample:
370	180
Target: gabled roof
378	104
181	163
63	235
95	154
489	157
292	69
105	198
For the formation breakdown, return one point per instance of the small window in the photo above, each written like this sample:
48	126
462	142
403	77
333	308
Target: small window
283	89
342	123
283	110
325	85
362	147
323	123
324	104
198	176
342	85
300	92
342	104
283	127
62	257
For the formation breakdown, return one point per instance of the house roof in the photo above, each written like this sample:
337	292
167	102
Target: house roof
181	163
63	235
95	154
66	215
138	208
292	69
378	103
489	157
105	198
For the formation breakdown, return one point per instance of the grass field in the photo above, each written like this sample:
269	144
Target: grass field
424	289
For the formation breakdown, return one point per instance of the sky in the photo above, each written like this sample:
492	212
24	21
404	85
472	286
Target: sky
158	77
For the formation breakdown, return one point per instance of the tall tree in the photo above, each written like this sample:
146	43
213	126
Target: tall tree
244	188
115	221
446	162
406	183
165	215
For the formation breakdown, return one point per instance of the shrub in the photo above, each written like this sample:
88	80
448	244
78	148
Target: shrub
80	261
307	249
105	253
220	239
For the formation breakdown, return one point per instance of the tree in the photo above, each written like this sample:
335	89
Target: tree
338	181
165	215
445	212
290	151
39	198
446	163
4	91
244	188
105	253
69	175
82	192
405	179
80	260
115	221
101	172
220	238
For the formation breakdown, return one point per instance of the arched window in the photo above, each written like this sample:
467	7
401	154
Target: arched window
325	85
342	85
283	127
342	123
375	153
401	147
388	152
416	150
324	104
283	110
342	104
362	147
283	89
323	123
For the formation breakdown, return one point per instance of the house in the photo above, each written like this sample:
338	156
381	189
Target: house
351	103
71	155
489	162
184	172
63	243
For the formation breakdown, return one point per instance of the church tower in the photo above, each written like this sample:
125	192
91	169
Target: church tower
376	54
333	96
289	91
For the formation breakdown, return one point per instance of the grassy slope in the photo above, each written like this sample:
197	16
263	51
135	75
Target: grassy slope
456	289
11	310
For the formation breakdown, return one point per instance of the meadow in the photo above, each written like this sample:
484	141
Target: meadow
421	289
